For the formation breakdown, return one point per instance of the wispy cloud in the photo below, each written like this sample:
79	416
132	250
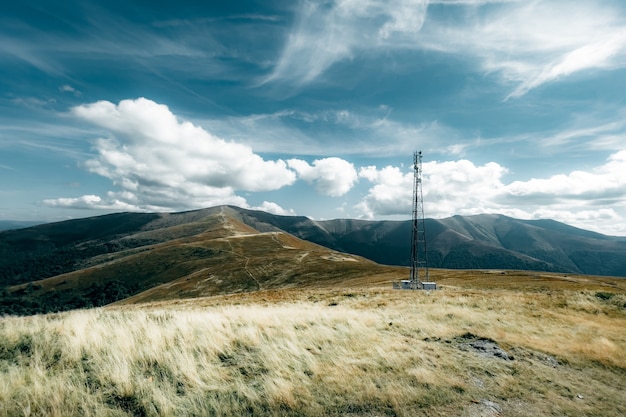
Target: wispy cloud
44	134
609	136
527	44
329	32
31	53
204	20
66	88
368	132
532	43
104	37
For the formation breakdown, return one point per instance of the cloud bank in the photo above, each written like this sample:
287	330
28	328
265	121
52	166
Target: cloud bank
160	163
594	200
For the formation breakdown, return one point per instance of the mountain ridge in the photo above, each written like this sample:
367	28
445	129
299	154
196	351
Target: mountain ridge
478	241
227	249
151	257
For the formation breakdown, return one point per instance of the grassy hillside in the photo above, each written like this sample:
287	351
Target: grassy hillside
181	256
497	343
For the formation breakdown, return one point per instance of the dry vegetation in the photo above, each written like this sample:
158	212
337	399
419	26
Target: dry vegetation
359	350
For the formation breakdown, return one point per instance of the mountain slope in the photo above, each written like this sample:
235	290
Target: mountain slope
167	256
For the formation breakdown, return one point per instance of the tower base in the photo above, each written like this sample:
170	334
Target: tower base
407	284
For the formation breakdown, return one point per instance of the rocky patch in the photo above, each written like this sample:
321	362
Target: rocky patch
481	345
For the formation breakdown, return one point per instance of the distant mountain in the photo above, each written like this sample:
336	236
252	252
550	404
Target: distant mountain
15	224
485	241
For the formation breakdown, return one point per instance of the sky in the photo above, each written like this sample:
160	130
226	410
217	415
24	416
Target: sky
315	108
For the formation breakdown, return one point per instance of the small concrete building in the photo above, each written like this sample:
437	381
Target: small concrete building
429	285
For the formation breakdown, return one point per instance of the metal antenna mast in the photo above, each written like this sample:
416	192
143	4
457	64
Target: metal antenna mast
419	258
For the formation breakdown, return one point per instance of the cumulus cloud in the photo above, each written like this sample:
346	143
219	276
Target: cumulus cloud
159	162
331	176
390	195
580	196
594	200
452	187
605	183
271	207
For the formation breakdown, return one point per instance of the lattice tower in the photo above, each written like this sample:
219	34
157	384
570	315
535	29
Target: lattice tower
419	258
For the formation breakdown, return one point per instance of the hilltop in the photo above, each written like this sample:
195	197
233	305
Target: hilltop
96	261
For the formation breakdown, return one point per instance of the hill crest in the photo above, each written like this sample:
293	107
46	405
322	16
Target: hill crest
150	257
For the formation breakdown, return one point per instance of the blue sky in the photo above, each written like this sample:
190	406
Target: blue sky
315	108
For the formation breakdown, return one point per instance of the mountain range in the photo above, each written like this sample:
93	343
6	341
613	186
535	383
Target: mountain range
222	250
485	241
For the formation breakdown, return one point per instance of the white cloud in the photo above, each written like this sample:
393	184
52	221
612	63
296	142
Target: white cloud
332	176
587	219
527	43
532	43
603	54
593	200
160	162
271	207
69	89
449	188
90	202
338	132
327	32
605	136
84	201
606	182
390	195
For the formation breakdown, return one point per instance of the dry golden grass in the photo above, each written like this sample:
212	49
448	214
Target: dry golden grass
361	349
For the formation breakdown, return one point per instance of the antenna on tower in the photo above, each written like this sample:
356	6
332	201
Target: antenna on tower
418	279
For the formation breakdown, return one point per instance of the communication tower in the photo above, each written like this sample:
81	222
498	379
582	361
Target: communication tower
419	279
